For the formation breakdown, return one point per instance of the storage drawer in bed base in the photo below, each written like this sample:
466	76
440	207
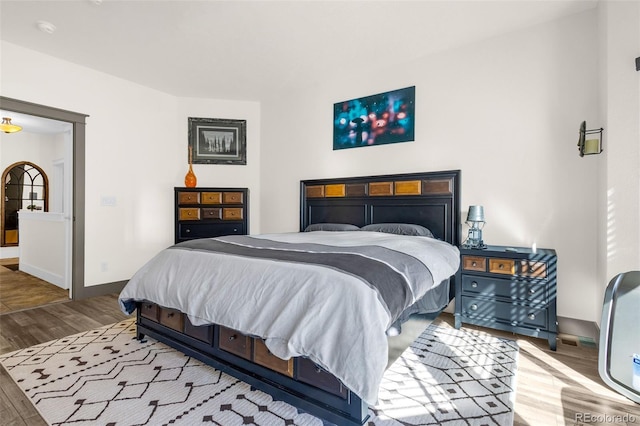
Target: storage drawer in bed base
347	409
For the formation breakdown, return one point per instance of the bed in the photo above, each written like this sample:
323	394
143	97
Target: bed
275	310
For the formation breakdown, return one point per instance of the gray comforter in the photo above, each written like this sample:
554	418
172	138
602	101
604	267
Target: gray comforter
329	296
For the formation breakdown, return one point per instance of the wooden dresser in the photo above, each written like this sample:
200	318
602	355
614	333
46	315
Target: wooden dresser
210	212
509	288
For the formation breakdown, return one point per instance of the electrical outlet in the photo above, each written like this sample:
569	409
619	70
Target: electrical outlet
108	201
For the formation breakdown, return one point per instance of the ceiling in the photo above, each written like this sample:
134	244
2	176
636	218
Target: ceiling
33	124
250	50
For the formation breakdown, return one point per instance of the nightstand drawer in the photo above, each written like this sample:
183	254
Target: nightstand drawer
498	287
533	269
502	266
509	313
474	263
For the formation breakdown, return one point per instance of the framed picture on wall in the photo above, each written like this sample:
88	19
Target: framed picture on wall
218	141
375	120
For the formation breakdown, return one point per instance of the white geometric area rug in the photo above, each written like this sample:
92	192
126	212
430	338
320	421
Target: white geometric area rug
106	377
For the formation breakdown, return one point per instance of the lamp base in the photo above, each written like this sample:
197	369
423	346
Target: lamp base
479	245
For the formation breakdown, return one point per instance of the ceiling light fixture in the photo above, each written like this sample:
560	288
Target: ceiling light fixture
46	27
7	127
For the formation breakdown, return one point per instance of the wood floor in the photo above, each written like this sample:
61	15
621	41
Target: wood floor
19	290
552	387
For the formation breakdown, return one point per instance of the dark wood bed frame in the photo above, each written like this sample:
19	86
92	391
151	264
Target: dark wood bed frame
429	199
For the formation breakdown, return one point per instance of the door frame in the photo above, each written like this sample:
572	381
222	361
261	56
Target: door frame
78	120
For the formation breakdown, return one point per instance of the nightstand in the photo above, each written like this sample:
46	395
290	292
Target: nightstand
509	288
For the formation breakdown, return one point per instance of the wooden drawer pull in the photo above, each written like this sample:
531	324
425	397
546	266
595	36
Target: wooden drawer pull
532	316
233	337
170	314
474	263
474	307
474	284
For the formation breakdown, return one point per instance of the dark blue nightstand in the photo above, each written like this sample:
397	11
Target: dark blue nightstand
509	288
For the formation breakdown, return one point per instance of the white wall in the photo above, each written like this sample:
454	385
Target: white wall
136	153
43	246
505	111
620	91
227	175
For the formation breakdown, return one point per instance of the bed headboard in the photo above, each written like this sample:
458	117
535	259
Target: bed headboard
430	199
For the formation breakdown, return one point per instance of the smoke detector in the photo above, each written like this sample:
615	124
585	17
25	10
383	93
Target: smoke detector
46	27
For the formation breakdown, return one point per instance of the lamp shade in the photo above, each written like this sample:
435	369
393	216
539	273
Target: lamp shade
476	214
7	127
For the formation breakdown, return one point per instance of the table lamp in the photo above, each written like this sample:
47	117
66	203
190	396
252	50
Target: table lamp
475	220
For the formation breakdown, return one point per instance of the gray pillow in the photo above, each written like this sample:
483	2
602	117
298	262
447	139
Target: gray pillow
399	229
331	227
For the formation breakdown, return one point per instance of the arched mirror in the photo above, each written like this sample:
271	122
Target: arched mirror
25	186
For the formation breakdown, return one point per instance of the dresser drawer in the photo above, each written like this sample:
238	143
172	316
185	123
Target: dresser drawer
202	332
188	213
211	213
188	197
308	372
211	197
234	342
474	263
500	287
533	269
172	318
232	198
262	356
504	312
232	213
149	310
190	231
502	266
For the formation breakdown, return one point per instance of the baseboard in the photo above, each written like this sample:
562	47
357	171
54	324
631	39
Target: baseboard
99	290
48	276
579	328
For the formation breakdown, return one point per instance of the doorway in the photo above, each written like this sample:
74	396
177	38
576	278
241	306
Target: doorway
77	121
25	186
